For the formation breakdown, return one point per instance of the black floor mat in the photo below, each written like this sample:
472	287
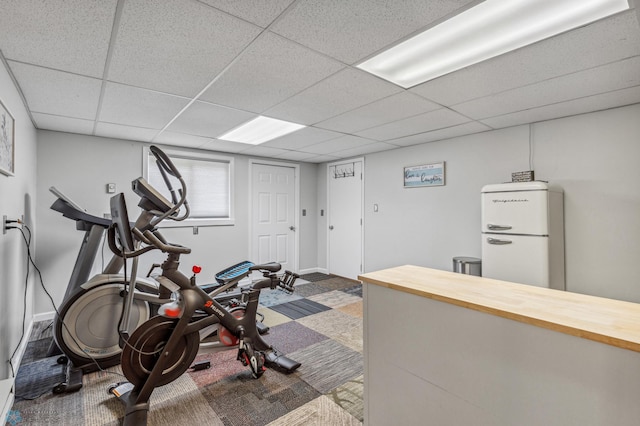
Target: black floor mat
316	276
38	378
299	308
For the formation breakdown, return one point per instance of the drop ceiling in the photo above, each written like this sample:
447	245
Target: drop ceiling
184	72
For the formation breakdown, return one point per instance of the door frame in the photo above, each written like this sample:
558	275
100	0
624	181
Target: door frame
296	196
329	165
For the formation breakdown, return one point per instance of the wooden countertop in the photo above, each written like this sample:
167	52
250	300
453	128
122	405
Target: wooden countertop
607	321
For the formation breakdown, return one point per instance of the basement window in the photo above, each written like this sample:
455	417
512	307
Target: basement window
209	185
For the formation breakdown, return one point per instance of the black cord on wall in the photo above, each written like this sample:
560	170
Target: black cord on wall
30	261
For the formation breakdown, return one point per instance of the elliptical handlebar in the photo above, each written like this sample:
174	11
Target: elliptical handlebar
145	232
155	242
165	162
166	166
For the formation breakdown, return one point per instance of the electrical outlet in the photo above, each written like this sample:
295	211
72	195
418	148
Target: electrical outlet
12	223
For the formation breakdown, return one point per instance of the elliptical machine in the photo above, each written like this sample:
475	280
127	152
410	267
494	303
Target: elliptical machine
80	330
163	348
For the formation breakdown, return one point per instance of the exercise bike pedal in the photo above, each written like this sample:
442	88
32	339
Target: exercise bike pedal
119	389
280	362
202	365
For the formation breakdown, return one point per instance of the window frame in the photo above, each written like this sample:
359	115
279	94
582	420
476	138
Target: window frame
187	154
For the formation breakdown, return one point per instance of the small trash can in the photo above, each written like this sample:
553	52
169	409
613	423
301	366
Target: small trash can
467	265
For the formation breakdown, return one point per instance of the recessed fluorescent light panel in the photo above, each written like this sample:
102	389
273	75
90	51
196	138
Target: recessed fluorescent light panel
259	130
489	29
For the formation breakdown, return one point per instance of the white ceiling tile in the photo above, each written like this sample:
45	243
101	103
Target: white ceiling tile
263	151
295	155
269	71
56	92
180	139
117	131
564	109
387	110
606	78
340	144
175	46
223	146
70	35
259	12
433	120
301	138
343	91
204	119
600	43
139	107
351	30
62	124
321	159
366	149
441	134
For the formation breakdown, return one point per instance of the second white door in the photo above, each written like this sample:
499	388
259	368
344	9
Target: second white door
345	189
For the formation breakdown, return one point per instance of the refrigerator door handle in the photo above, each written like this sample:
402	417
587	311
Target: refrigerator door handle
498	242
493	227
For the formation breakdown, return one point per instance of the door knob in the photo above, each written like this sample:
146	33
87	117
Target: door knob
292	228
330	227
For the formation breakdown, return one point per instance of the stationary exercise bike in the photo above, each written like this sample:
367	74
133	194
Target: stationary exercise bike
96	312
163	348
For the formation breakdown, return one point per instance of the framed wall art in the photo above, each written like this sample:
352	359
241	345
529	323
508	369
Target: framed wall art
425	175
7	141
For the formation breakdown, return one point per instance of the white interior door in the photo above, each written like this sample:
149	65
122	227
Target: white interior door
344	216
273	215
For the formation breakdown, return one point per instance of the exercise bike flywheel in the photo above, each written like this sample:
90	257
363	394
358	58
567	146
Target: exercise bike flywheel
146	346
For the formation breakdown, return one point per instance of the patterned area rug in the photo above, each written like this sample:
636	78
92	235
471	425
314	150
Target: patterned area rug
320	325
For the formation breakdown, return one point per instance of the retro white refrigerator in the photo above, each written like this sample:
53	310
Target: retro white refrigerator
523	233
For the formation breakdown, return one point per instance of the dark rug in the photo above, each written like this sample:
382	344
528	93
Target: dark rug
36	350
316	276
38	378
300	308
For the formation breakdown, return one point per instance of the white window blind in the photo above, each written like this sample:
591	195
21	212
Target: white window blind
208	180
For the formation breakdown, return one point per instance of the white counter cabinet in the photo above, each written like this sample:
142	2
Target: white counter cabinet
451	349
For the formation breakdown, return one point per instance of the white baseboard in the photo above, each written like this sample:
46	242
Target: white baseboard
44	316
313	270
6	398
17	359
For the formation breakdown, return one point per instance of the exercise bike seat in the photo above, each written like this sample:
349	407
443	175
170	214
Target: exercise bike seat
271	267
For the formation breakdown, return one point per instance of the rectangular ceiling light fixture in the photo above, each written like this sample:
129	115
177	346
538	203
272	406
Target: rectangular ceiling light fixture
260	129
489	29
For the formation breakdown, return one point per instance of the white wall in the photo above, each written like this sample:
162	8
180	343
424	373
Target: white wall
81	166
593	157
17	198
